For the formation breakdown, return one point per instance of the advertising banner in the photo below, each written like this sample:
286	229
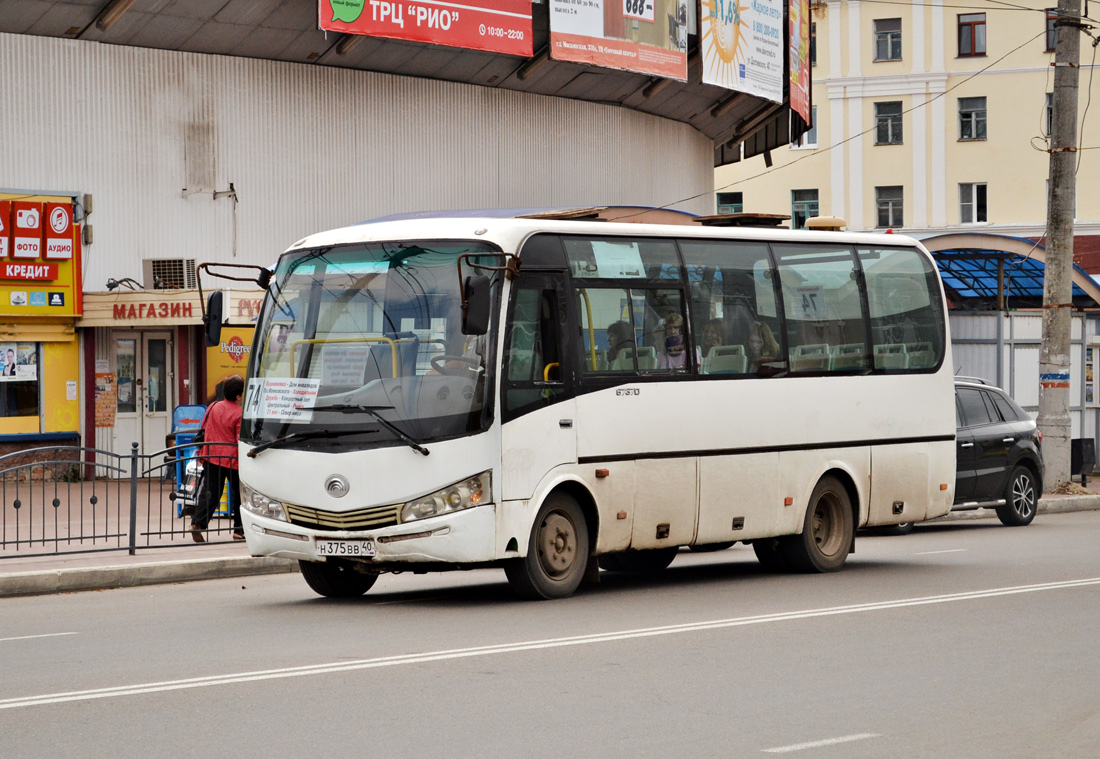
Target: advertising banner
5	228
18	362
59	230
27	225
229	357
40	273
647	36
800	58
497	26
743	46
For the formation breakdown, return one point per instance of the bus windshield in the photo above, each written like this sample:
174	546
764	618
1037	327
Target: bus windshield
361	345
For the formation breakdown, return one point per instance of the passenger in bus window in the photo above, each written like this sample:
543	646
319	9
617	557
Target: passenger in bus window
674	355
619	336
762	346
713	334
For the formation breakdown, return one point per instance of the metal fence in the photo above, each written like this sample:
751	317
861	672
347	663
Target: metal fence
69	499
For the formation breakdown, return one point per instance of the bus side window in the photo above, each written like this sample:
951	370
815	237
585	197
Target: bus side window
533	371
906	317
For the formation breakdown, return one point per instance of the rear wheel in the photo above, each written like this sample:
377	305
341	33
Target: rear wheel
827	531
557	554
336	580
1021	498
652	560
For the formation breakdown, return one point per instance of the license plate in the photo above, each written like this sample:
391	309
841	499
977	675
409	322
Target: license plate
360	548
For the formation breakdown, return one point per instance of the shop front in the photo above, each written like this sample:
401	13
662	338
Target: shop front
144	355
40	301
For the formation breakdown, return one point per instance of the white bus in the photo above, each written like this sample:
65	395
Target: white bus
553	397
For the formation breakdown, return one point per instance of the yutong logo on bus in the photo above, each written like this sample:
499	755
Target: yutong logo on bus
236	349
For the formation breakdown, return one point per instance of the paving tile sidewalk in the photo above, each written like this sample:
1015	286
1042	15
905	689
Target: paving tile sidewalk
65	573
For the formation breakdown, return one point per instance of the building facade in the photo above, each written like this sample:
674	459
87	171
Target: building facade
929	117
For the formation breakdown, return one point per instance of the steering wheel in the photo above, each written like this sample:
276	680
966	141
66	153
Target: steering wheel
471	365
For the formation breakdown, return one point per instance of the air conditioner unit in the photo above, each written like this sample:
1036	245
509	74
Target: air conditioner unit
169	273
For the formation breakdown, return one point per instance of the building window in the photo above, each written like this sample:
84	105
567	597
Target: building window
888	39
19	380
1052	31
730	202
803	207
972	204
971	118
888	123
971	34
1049	122
888	202
809	137
813	44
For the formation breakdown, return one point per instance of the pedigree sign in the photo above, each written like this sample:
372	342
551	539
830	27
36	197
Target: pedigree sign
228	357
40	257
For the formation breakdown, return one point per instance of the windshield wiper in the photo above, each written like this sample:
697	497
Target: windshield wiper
373	411
279	441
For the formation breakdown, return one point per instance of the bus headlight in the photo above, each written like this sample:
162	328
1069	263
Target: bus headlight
462	495
261	505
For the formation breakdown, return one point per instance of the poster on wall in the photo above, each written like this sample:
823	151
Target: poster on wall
18	362
106	399
226	359
742	46
647	36
497	26
800	58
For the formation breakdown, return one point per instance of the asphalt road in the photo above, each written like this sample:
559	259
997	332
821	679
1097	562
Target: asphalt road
964	639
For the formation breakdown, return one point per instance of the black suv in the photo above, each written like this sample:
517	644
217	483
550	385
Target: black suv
999	454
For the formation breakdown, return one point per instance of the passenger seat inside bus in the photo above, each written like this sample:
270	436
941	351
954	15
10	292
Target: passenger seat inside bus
624	361
810	358
891	356
726	359
921	355
847	357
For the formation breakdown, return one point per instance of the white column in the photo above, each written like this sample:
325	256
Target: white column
834	9
836	158
937	35
939	162
917	43
855	50
855	163
919	146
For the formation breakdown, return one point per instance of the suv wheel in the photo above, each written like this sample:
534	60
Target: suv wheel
1022	499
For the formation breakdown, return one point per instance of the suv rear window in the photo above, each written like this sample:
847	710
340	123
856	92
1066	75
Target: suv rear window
1008	408
974	409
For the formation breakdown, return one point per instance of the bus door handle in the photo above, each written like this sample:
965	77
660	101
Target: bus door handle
966	445
1008	440
565	424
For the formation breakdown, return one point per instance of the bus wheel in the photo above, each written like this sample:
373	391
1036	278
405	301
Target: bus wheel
645	561
827	532
557	554
769	555
336	580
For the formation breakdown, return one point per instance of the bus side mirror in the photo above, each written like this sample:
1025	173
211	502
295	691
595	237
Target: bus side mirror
212	321
475	312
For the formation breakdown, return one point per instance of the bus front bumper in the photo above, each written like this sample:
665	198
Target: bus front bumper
462	537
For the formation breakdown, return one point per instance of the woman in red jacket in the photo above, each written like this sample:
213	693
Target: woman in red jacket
222	424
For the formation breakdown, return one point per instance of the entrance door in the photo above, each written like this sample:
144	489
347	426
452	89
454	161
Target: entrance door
143	365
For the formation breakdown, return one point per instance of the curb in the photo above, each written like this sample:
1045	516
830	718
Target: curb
133	575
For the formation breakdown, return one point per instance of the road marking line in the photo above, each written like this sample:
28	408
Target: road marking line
29	637
819	744
950	550
531	645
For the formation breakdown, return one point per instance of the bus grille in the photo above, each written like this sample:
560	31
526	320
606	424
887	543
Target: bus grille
360	519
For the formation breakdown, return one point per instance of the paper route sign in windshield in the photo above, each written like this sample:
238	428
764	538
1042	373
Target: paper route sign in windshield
497	26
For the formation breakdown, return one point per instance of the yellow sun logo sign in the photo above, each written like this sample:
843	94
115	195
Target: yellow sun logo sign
724	29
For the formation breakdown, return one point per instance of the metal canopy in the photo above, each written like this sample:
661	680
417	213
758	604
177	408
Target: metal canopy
286	30
973	277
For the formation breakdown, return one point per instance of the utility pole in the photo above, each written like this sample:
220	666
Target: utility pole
1054	357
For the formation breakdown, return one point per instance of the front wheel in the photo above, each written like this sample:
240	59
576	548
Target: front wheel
336	580
826	532
1021	495
557	554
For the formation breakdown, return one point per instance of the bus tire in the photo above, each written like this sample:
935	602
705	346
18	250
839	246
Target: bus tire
640	562
826	532
1020	499
769	554
336	580
557	554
